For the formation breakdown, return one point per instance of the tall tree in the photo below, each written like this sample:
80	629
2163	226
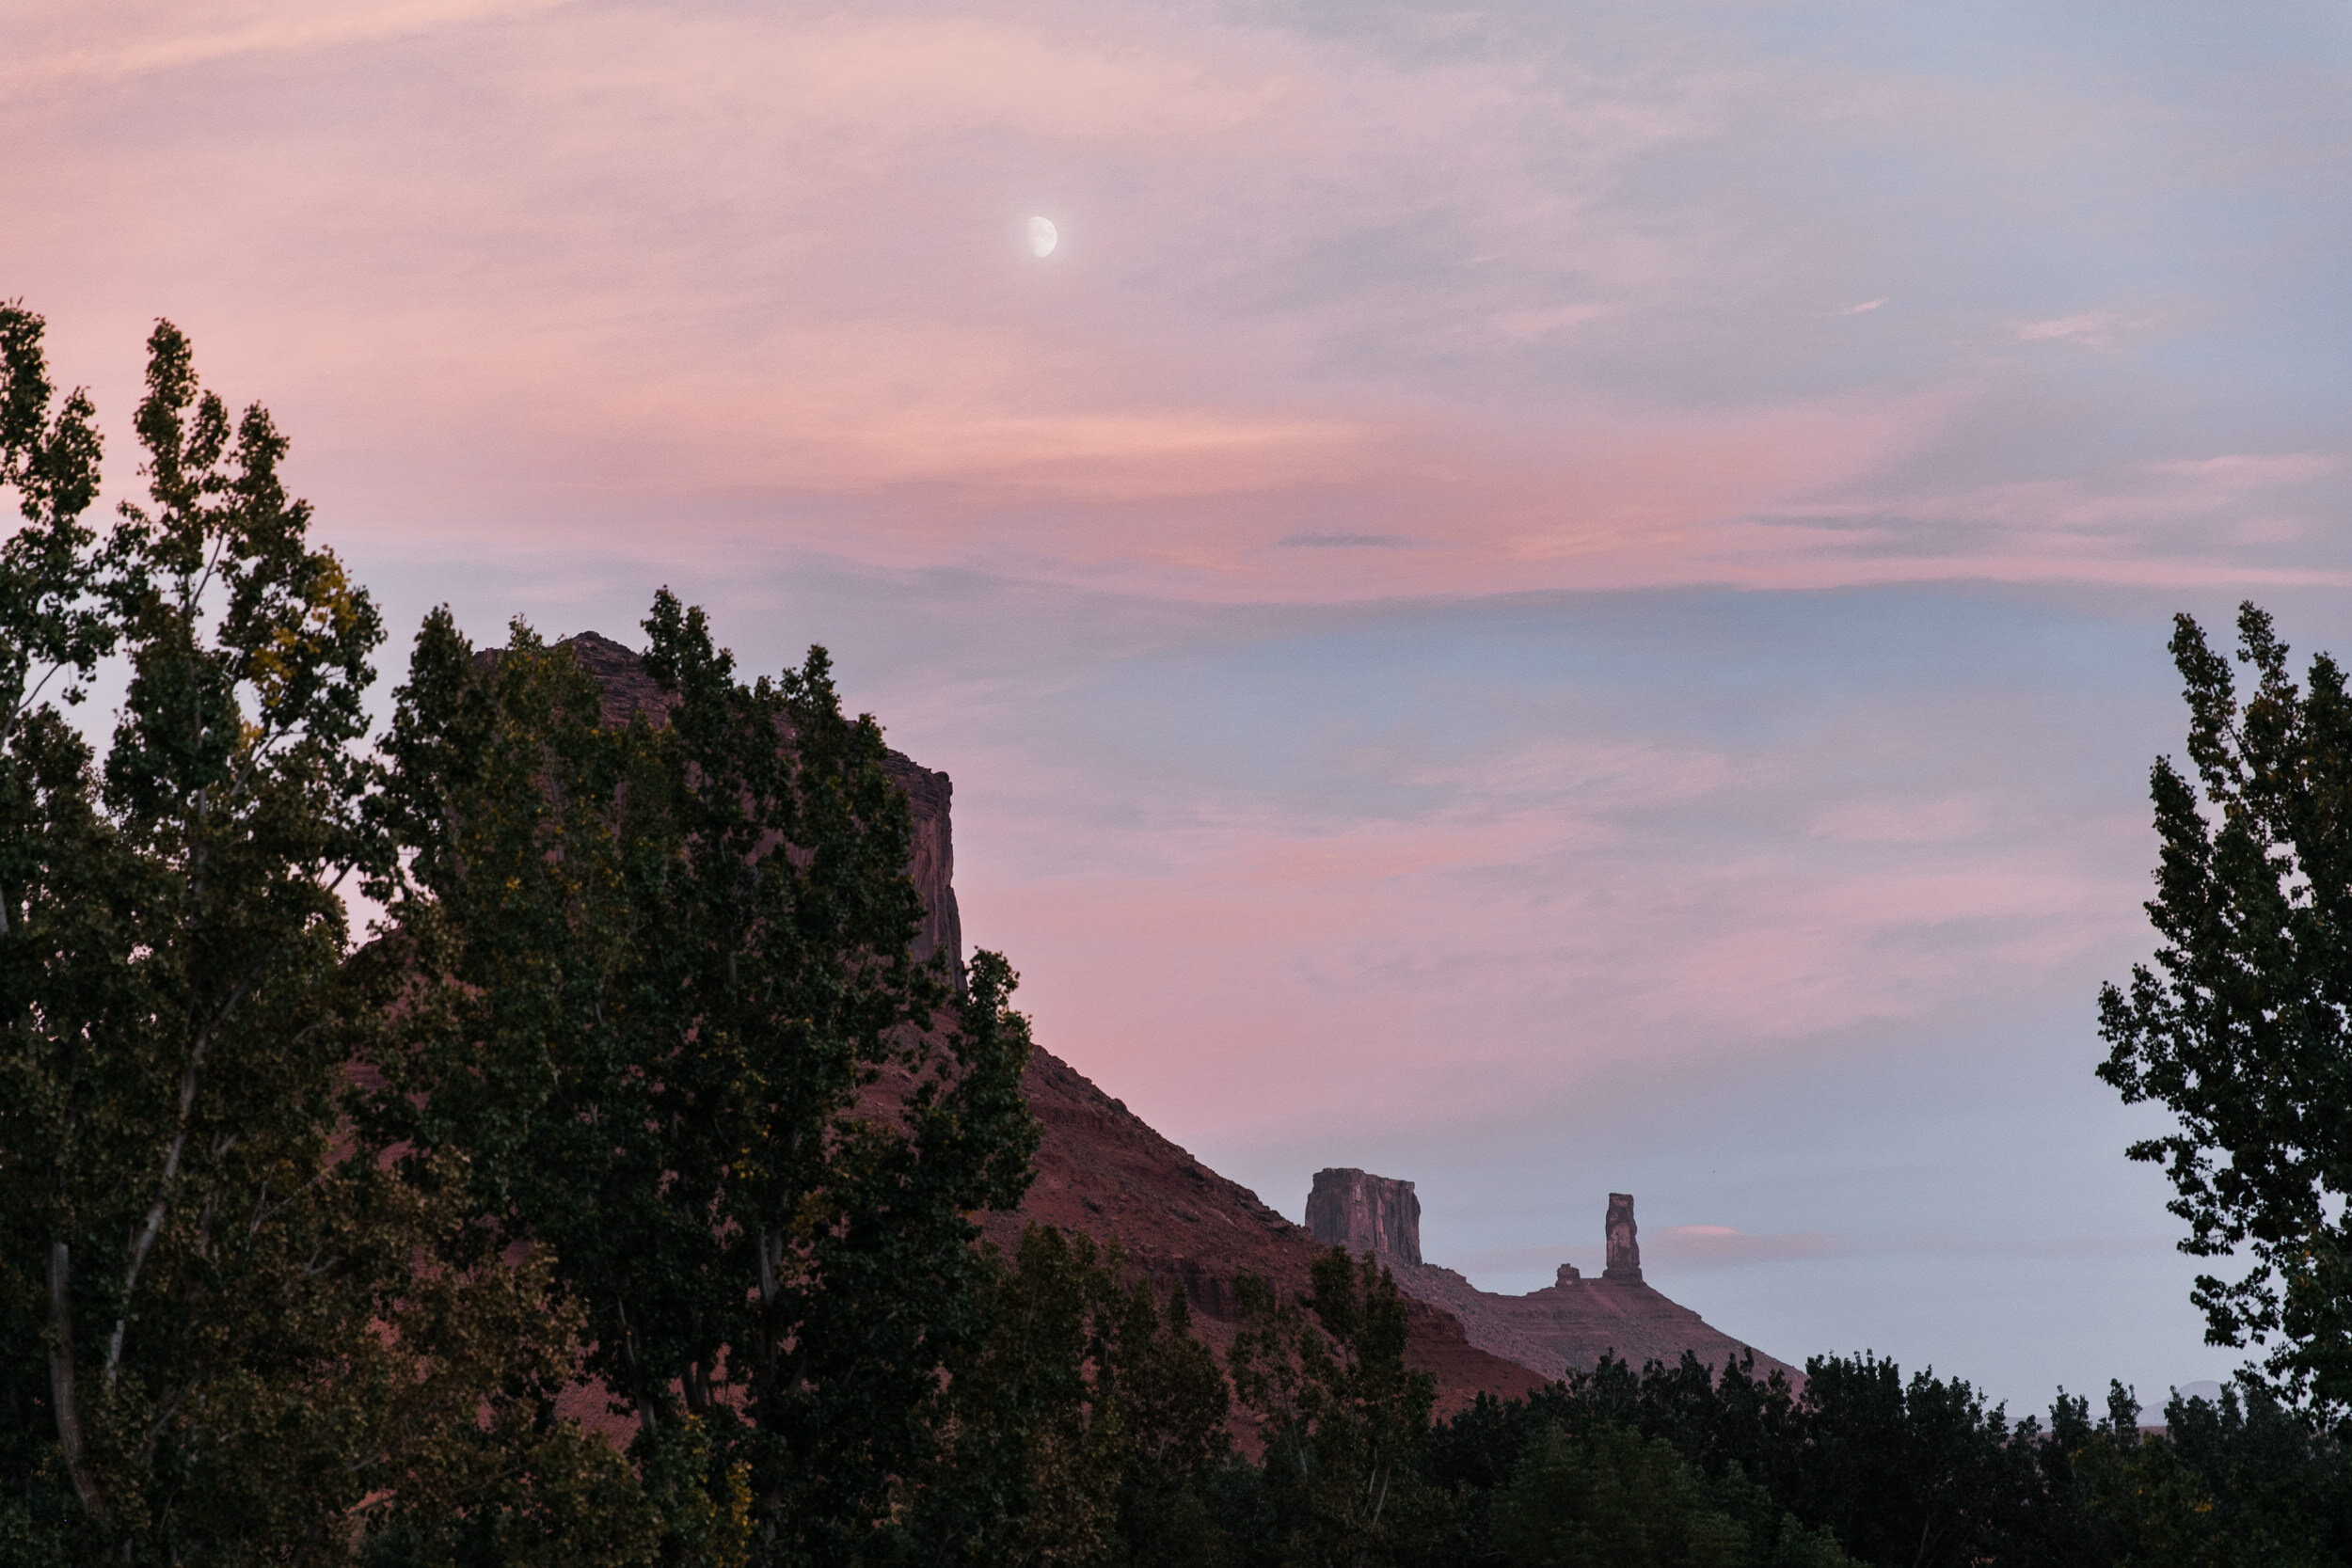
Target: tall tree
1344	1422
2241	1028
1088	1430
668	1003
49	456
217	1343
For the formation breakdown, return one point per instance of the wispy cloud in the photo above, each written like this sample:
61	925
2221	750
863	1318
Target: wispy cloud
1535	324
102	45
1344	541
2095	329
1720	1246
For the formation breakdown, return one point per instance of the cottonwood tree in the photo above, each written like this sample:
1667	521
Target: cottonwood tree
1087	1431
665	998
2241	1027
221	1334
1344	1423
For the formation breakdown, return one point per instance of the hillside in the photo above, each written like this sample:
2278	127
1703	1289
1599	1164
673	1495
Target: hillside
1100	1168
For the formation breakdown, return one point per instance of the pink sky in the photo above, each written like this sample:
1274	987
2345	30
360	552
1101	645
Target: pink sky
1556	597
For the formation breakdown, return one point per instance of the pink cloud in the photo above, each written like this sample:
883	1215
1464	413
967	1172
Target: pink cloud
609	274
1689	1248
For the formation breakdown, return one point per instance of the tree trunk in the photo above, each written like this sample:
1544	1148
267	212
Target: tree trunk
62	1394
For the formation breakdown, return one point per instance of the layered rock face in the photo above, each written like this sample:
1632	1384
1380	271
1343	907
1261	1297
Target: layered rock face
1570	1324
1102	1170
1365	1214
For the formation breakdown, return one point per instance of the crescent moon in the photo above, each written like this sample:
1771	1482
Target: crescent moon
1042	237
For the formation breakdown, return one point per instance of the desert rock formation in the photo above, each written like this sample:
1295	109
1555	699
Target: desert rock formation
1625	1248
1570	1324
1365	1214
1100	1168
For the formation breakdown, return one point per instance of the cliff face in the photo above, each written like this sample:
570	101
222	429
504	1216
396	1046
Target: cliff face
1365	1214
1102	1170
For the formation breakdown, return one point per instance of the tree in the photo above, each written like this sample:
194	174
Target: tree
48	575
2241	1028
1084	1432
1611	1499
223	1333
1343	1421
663	994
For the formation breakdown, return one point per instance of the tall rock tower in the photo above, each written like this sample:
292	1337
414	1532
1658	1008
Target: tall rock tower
1625	1251
1366	1213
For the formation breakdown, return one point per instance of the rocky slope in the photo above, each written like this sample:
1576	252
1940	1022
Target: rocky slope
1100	1168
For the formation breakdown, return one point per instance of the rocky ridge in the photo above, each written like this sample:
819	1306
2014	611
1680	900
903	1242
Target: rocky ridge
1568	1324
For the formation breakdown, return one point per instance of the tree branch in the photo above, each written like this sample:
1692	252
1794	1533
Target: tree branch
189	1077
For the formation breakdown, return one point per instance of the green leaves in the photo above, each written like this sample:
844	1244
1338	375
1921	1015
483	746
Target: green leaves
663	995
229	1330
2240	1029
50	621
1343	1419
1613	1500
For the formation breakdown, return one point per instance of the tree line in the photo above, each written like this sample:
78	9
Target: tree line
610	1200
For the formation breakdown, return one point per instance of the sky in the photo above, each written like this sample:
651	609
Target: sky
1542	598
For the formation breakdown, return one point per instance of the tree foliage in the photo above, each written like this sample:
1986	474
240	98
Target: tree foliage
1343	1419
1089	1430
1613	1500
2241	1027
217	1339
664	998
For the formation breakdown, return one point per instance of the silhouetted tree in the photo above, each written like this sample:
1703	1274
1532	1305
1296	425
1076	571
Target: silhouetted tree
1344	1422
227	1333
1086	1430
2241	1028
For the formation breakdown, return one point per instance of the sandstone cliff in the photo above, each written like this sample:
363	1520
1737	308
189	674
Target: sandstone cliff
1100	1170
1365	1214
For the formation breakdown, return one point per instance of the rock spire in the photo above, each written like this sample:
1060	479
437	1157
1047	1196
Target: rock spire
1625	1251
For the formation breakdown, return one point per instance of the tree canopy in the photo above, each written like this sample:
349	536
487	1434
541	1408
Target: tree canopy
637	1088
2241	1028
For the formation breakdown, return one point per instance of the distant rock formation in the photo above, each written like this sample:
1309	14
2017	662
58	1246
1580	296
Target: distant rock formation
1570	1324
1365	1214
1625	1251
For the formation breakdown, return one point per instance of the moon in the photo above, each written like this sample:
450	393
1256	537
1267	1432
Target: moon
1042	236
